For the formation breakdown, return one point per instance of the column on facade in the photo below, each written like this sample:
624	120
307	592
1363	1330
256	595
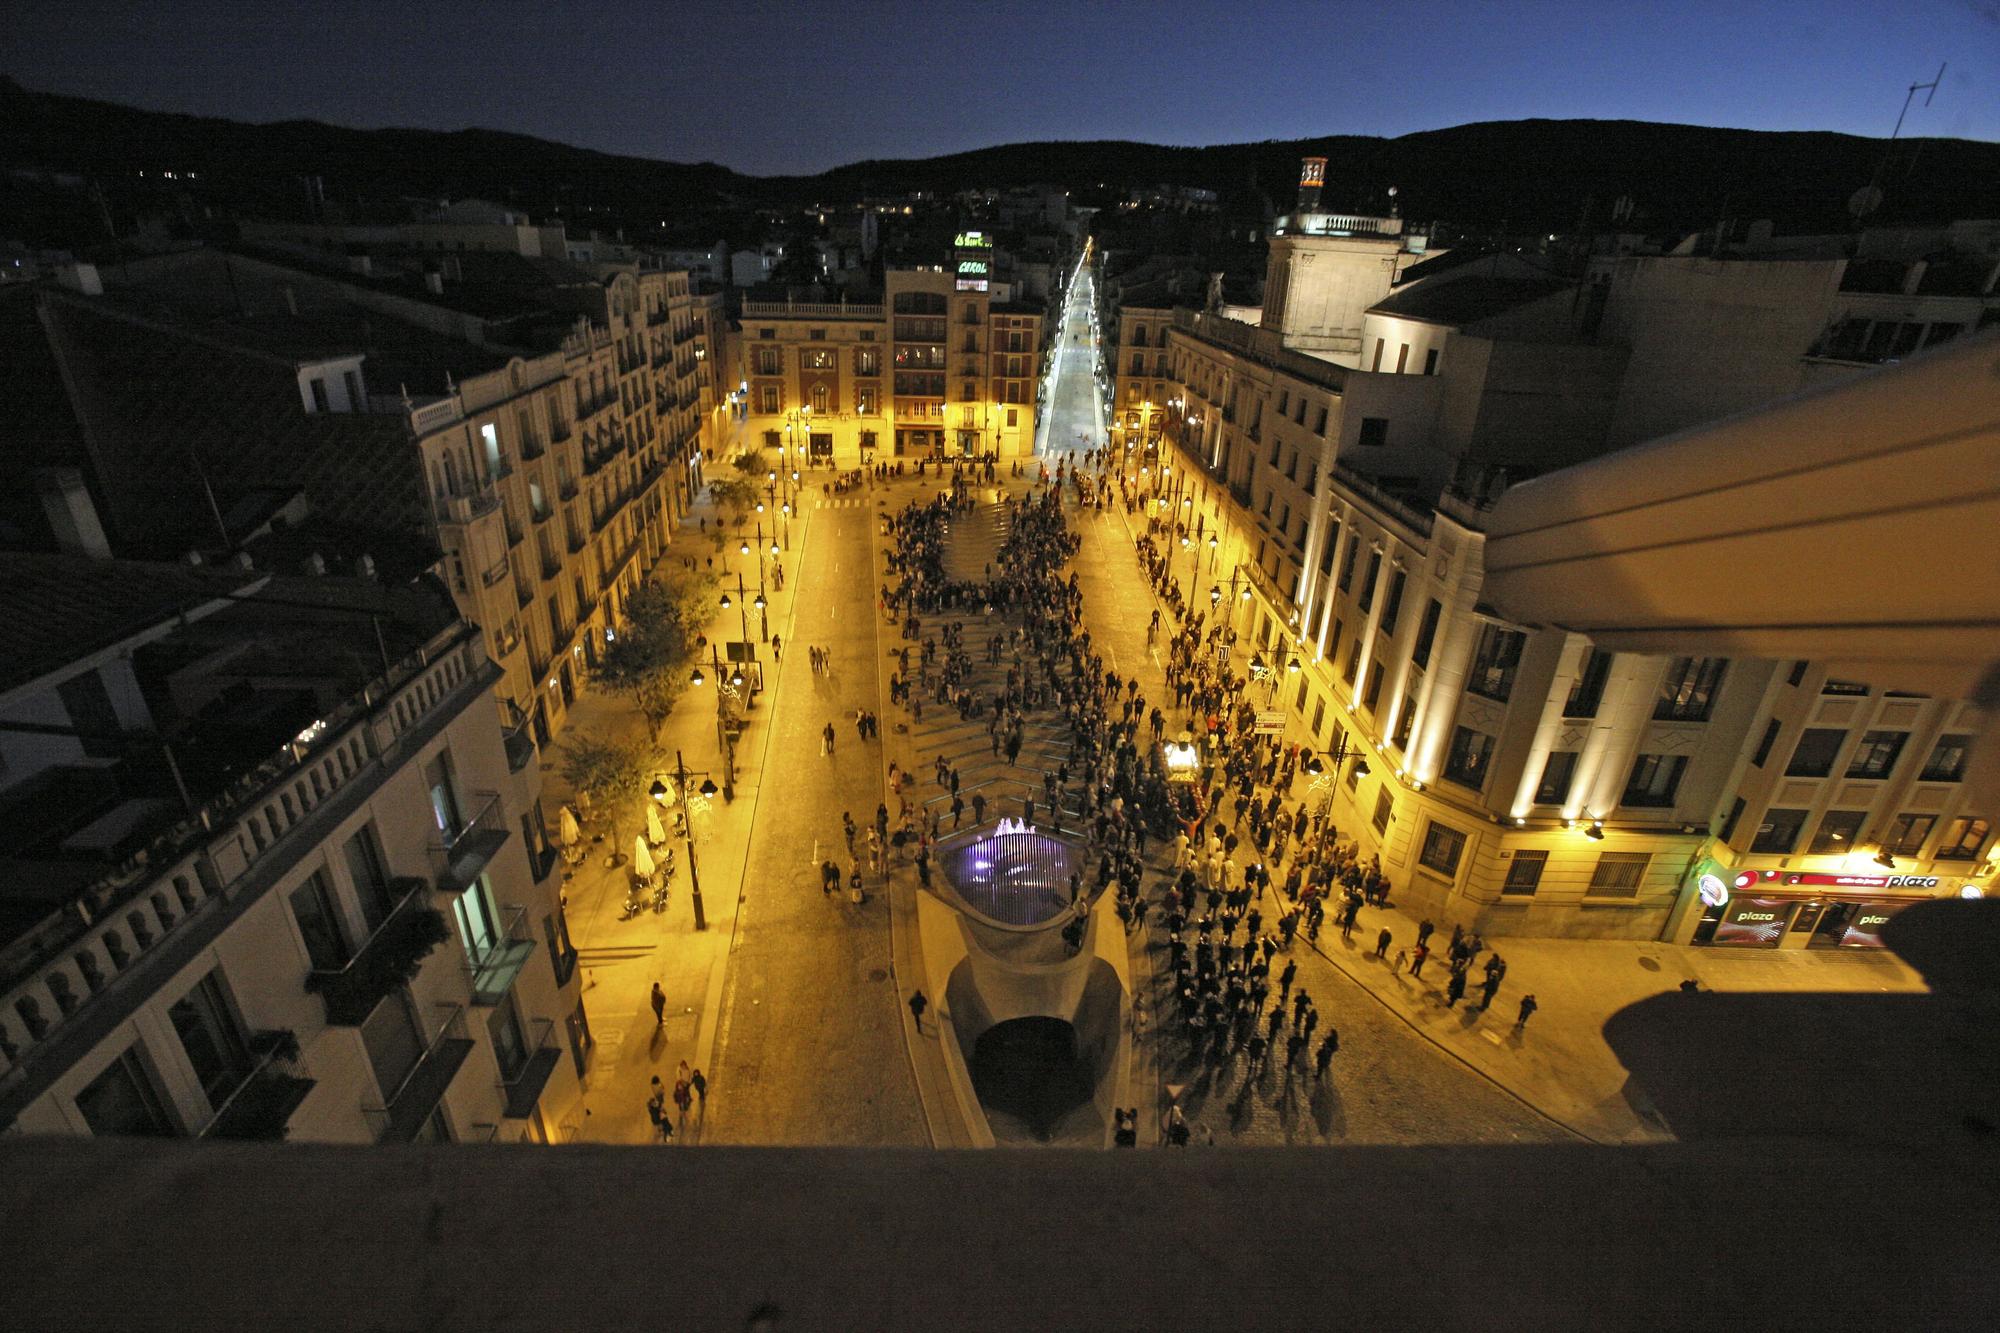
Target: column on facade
1444	683
1575	653
1630	690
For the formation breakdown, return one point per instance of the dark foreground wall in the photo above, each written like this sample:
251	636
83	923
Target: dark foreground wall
1752	1233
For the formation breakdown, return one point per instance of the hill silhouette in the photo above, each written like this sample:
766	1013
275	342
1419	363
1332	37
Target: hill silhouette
1525	175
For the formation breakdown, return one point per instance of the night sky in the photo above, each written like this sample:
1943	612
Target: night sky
799	87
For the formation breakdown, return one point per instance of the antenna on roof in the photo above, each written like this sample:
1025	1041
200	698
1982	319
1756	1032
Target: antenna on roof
1869	197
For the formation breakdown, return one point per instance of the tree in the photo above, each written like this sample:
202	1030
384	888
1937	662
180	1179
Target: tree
751	465
734	495
612	774
646	659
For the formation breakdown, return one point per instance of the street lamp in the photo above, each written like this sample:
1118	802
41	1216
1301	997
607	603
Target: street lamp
723	739
658	791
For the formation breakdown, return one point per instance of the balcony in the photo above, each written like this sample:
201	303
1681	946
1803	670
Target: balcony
404	1109
520	746
262	1104
551	566
524	1089
467	508
457	858
388	958
494	968
531	446
558	431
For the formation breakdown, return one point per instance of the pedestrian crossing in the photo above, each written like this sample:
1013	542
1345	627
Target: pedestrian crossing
843	502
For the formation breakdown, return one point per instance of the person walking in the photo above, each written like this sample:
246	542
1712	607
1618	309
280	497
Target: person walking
1487	990
1323	1057
656	1110
700	1086
659	1006
917	1006
1285	979
1528	1007
1417	959
1424	929
826	739
1382	943
1454	990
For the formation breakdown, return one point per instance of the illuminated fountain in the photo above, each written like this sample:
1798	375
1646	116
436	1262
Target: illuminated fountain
1035	1025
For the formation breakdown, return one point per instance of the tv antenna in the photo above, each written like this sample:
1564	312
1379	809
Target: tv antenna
1869	197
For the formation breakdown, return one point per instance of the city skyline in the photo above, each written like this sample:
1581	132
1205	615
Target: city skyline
1839	67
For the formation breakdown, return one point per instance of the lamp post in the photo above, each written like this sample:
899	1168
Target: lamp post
659	794
722	736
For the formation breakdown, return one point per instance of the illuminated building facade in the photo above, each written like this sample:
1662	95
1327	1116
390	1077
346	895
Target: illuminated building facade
938	368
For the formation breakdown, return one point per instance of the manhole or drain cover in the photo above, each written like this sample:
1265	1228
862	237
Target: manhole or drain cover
879	974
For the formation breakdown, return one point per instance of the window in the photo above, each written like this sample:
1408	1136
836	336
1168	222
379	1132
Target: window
320	403
371	878
1374	432
1796	674
312	908
1381	344
1688	691
1849	687
1618	874
1524	874
1907	834
767	399
1494	662
1367	598
1588	690
510	1044
1347	564
1764	746
1353	666
819	398
1655	778
1837	831
353	383
867	361
1813	756
211	1037
1465	763
1406	717
1402	358
1963	838
478	923
1779	832
1013	415
1420	654
1557	773
1373	694
1442	849
770	361
1385	810
1947	761
123	1101
1431	361
1319	426
1876	755
864	401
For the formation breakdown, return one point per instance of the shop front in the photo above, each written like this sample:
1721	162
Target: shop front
1780	909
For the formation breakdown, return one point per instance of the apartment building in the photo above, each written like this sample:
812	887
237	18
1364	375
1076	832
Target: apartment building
938	368
532	432
272	870
1515	776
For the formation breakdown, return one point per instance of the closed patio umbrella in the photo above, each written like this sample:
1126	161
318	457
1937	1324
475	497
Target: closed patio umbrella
654	833
642	860
571	833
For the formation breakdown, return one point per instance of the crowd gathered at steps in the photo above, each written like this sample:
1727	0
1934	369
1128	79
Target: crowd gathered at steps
1251	865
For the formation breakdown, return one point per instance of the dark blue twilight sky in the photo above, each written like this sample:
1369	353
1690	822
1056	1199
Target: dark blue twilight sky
801	86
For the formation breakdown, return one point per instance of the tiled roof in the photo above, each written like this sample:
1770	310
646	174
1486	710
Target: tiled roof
1462	301
57	609
175	416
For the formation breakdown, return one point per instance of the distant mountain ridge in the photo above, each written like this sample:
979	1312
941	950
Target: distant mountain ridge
1527	174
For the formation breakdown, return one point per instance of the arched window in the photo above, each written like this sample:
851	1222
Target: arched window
819	398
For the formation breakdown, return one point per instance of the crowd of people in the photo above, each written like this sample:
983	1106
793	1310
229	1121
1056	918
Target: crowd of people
1255	861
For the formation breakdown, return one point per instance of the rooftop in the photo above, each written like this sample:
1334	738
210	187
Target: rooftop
59	609
1464	300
